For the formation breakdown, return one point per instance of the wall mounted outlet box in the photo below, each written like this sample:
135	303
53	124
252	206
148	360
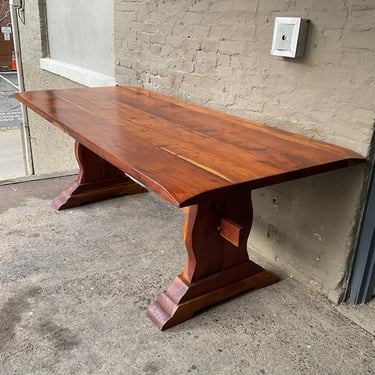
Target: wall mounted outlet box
289	36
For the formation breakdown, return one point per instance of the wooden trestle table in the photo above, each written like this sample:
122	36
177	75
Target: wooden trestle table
193	157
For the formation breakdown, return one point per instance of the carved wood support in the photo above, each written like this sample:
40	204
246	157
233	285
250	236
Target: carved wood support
97	180
216	269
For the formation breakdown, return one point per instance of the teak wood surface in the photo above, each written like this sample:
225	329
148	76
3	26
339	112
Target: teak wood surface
191	156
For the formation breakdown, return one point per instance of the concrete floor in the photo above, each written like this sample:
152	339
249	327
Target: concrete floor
74	287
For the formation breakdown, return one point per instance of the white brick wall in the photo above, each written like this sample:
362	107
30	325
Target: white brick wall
217	53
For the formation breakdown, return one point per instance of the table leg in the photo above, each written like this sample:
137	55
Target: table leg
218	265
97	180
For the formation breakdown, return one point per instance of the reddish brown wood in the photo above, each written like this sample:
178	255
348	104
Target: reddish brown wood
182	151
230	231
216	269
191	156
97	180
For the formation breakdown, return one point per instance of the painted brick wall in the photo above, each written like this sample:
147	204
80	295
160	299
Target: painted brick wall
217	53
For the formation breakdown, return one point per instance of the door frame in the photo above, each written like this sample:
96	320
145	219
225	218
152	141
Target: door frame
15	13
362	283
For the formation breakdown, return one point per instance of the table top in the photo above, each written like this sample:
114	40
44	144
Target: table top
184	152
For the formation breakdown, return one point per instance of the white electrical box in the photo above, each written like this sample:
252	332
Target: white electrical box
289	36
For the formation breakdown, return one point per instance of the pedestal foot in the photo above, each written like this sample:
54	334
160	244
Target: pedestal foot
165	312
218	266
97	180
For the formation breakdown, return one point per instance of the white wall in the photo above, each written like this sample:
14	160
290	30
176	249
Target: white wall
217	53
81	33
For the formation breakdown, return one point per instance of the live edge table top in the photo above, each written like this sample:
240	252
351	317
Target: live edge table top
184	152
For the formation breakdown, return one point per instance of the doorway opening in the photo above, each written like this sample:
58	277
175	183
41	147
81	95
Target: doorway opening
362	286
15	147
12	163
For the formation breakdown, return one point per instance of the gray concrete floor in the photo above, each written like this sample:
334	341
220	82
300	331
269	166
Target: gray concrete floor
74	287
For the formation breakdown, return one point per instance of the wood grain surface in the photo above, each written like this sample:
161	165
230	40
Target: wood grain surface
184	152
